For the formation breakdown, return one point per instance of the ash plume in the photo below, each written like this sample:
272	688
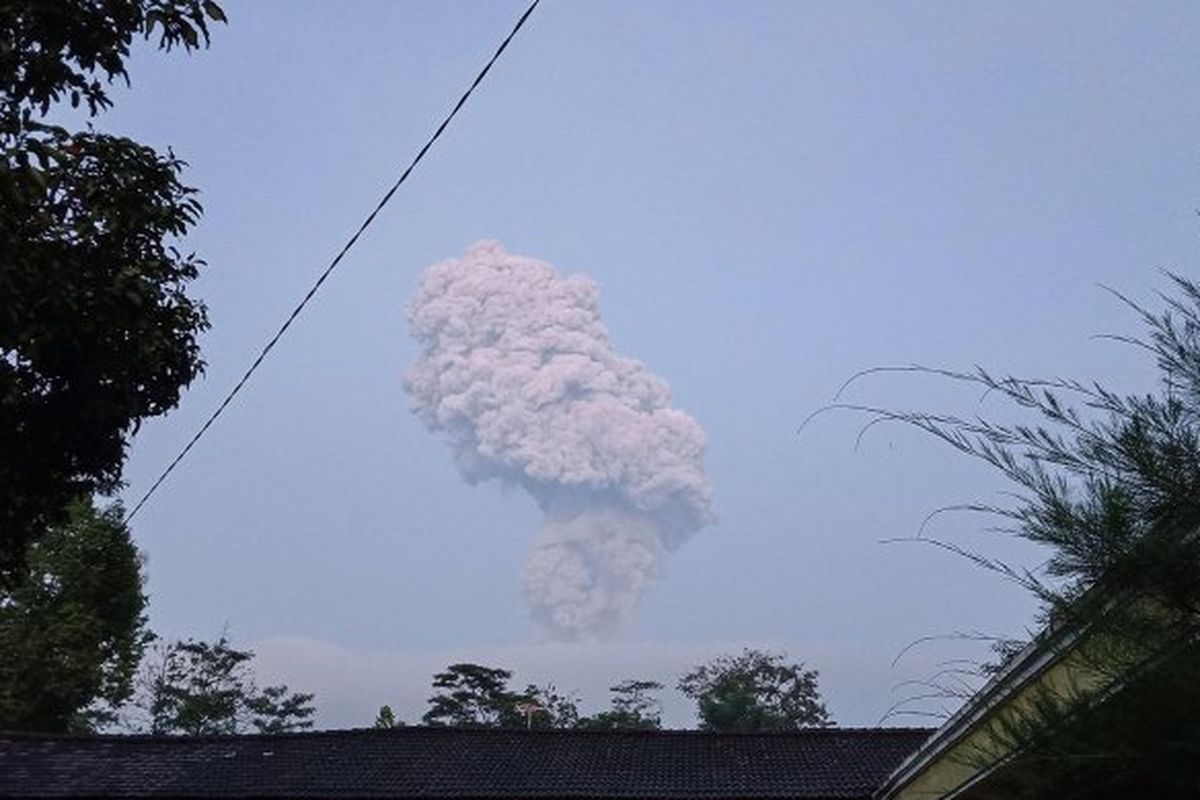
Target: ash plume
518	376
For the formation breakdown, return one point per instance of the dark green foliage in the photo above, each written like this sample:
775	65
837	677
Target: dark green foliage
96	330
277	710
471	696
543	707
199	688
56	50
755	691
72	629
1110	484
386	718
633	708
475	696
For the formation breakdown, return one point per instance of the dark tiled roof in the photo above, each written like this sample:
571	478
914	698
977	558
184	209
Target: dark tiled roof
446	763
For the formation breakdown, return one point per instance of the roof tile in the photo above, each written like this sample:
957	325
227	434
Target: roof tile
444	763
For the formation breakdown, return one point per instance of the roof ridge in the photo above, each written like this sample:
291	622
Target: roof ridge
450	730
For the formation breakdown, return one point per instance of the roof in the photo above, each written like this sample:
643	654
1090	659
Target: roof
417	762
1030	662
1025	672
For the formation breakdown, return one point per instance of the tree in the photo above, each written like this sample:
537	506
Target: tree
277	710
73	627
755	691
633	708
543	707
1110	484
199	688
475	696
471	696
386	718
97	332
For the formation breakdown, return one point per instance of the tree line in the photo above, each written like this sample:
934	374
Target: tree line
79	657
751	691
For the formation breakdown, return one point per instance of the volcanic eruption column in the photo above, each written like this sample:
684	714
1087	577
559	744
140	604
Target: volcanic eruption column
518	376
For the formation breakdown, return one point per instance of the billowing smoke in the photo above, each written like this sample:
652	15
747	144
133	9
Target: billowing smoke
519	377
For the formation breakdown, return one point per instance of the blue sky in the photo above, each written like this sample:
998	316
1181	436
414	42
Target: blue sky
770	197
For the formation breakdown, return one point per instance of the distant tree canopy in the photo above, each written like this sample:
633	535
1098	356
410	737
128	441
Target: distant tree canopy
471	695
199	688
755	691
545	707
73	628
97	332
634	707
751	691
475	696
386	718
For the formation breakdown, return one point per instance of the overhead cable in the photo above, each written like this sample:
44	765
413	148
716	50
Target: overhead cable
287	323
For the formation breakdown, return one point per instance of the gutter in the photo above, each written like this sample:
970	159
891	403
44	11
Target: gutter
1031	662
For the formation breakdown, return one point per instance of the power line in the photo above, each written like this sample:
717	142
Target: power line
287	323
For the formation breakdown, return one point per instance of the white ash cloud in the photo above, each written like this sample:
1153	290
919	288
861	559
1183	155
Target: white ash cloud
518	376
